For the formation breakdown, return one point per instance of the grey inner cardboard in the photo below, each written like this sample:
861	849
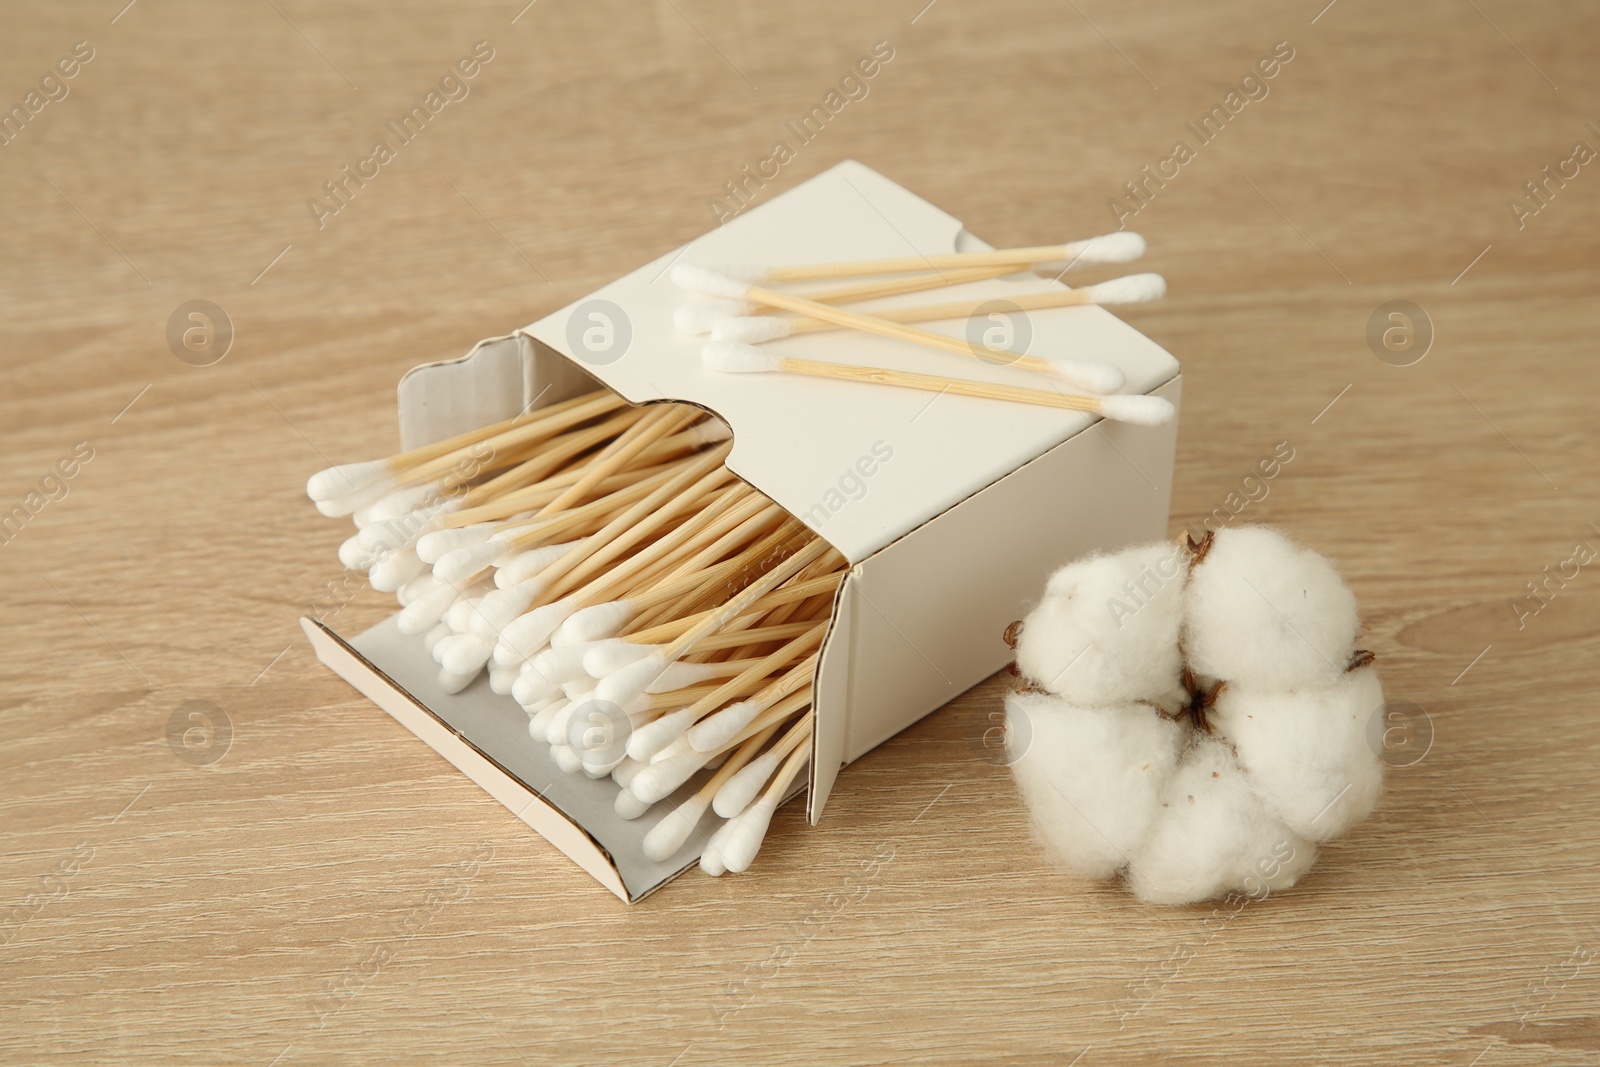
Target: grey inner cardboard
498	729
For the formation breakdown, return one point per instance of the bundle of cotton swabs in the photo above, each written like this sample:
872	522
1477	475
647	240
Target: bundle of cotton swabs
743	312
654	615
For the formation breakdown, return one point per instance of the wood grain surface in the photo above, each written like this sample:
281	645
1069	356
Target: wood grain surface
329	890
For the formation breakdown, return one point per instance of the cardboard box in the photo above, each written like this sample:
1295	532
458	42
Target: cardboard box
950	510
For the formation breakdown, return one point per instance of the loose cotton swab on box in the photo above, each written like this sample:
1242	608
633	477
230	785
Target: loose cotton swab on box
736	358
1120	247
1096	377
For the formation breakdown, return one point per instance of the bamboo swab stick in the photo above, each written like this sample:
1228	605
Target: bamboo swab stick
698	317
669	835
661	421
745	833
558	451
670	499
1131	289
713	732
778	713
733	357
1118	247
531	498
748	596
346	478
668	631
526	435
648	741
690	441
741	790
1096	377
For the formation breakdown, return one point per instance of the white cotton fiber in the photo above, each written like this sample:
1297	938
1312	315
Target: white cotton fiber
1308	752
1212	836
1090	775
394	570
1106	631
1267	613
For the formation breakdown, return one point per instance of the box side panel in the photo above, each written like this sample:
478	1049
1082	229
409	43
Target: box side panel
933	605
831	692
497	379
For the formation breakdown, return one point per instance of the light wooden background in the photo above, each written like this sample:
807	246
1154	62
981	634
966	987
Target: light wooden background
157	912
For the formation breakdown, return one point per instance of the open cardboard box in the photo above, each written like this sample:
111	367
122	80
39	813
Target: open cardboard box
951	511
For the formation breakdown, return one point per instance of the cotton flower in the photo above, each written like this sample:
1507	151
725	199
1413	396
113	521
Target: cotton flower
1204	734
1092	775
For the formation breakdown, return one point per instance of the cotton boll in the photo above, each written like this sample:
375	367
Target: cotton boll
1091	775
1265	612
1306	751
1106	631
1212	835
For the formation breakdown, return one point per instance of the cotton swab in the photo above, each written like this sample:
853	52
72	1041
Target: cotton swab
1130	289
1088	375
669	834
741	788
1121	247
342	480
739	850
699	316
736	358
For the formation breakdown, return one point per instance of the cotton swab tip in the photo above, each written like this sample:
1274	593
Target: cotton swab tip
719	729
462	563
595	623
1120	247
668	835
736	357
1131	289
345	479
698	317
652	737
629	806
708	282
752	329
604	657
464	653
1088	375
1138	409
737	792
531	687
745	837
631	680
435	545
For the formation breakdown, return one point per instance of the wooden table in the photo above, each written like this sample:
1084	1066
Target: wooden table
331	891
